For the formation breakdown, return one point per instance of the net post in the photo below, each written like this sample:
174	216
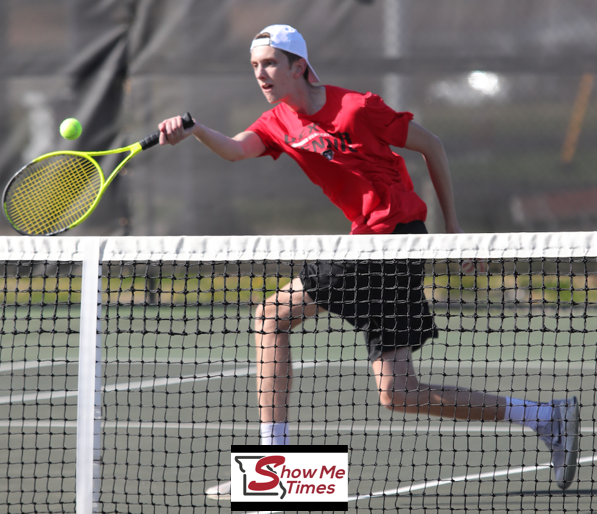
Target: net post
97	411
89	393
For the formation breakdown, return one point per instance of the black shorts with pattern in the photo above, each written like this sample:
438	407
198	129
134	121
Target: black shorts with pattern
383	299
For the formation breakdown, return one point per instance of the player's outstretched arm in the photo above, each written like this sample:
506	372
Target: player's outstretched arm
432	150
242	146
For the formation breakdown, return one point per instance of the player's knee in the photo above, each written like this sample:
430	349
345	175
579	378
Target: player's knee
259	314
393	399
271	319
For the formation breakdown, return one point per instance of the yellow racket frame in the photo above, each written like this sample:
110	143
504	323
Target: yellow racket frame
133	150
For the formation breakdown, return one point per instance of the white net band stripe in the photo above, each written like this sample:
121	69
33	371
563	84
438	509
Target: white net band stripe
355	247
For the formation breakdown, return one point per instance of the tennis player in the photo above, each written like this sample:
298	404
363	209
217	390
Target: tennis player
341	139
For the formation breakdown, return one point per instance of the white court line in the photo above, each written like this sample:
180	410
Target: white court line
433	484
353	429
520	365
149	383
23	365
586	366
437	363
123	386
141	384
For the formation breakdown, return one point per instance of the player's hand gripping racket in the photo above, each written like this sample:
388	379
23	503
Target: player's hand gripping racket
59	190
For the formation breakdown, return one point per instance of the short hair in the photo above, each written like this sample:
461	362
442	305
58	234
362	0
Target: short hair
292	58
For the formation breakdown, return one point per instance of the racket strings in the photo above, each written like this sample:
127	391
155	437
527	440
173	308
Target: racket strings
50	195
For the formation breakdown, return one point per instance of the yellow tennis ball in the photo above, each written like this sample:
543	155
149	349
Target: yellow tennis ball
70	128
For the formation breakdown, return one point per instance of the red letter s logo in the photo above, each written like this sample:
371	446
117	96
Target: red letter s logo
276	460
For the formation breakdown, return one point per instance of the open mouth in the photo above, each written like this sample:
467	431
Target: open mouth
267	87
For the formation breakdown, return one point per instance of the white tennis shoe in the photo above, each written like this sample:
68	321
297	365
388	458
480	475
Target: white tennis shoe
561	437
219	492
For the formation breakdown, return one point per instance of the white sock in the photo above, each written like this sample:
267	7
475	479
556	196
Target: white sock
533	415
274	434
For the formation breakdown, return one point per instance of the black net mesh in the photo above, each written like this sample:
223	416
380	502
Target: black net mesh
38	385
179	380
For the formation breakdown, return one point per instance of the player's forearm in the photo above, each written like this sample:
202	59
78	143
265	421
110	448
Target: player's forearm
242	146
431	148
222	145
439	171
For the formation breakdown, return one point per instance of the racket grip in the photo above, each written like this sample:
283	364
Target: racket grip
153	139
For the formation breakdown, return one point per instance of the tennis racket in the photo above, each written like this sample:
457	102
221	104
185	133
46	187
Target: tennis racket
59	190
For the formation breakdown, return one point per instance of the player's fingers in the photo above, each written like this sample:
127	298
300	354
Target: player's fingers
166	134
180	128
163	126
165	139
175	133
474	265
468	266
177	128
172	131
170	127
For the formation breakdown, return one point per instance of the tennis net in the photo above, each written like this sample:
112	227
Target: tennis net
128	368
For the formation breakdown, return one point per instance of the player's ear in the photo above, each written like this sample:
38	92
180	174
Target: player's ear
300	66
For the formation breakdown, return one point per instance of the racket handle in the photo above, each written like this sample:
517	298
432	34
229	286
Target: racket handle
152	140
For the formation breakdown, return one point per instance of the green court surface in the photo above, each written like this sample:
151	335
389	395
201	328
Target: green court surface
179	389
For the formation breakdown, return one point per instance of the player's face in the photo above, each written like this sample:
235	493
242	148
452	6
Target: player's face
273	73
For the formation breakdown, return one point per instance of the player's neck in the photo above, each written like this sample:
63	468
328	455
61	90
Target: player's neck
307	99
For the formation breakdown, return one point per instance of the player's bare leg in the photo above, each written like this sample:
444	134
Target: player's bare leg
557	423
400	390
274	320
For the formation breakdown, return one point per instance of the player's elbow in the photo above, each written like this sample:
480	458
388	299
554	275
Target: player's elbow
394	400
433	146
421	140
236	152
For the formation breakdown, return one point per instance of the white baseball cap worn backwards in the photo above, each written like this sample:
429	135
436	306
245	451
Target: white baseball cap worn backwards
286	38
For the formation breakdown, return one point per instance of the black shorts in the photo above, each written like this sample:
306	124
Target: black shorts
383	299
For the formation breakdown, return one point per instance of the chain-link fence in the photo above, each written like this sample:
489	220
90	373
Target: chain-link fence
507	85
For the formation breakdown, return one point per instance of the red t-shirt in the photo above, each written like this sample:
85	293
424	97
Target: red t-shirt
345	149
